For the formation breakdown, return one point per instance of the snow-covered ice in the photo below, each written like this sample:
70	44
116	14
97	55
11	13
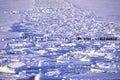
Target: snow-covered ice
45	45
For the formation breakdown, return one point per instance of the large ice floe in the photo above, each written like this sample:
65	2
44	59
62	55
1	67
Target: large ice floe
47	48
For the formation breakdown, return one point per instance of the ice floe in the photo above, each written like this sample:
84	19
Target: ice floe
55	53
53	73
109	56
15	65
91	53
96	70
3	52
52	49
37	77
68	44
40	51
5	69
106	65
12	67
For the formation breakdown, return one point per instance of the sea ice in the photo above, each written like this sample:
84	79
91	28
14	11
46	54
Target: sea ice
5	69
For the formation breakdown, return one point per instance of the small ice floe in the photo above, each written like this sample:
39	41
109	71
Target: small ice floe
28	44
91	53
40	63
105	65
109	56
52	49
46	35
85	59
37	45
68	44
60	59
97	43
53	73
96	70
111	46
19	49
37	77
14	12
112	71
20	44
16	66
21	34
13	45
40	51
65	59
22	74
3	52
5	69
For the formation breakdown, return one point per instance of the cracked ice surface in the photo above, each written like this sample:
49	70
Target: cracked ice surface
55	55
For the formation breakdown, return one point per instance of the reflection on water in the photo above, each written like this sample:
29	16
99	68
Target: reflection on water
56	54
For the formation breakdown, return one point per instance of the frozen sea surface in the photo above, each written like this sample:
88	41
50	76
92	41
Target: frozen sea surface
45	44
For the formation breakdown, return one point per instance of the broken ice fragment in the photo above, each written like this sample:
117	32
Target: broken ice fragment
5	69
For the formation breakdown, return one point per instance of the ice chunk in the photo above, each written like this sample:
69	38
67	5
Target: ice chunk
40	62
19	49
20	44
59	59
5	69
95	54
13	45
16	65
85	59
91	53
52	73
68	44
106	65
37	77
40	51
109	56
2	52
52	49
111	46
14	12
96	70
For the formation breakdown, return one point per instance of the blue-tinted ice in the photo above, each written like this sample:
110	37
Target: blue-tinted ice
47	49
